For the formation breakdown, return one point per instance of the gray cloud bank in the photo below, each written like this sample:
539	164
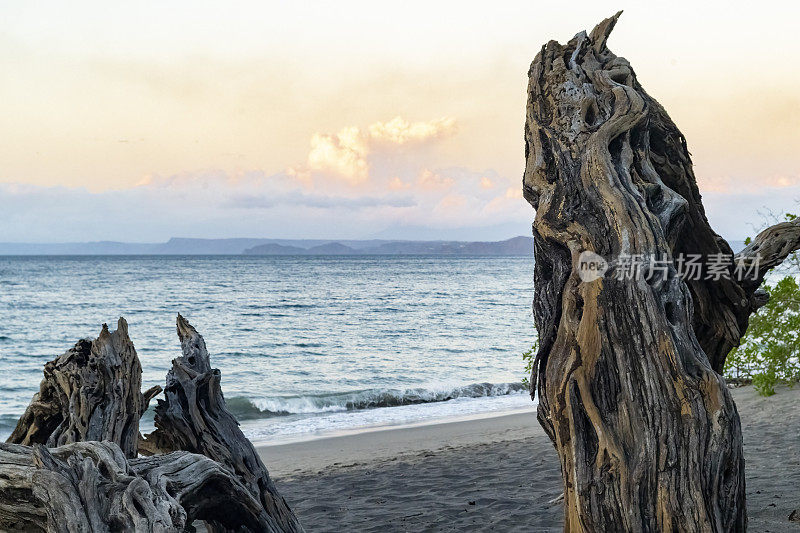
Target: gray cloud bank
214	205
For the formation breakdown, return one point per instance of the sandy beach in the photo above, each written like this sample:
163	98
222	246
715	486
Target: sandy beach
498	473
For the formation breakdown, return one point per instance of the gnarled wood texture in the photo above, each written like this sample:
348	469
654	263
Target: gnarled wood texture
193	417
646	430
91	486
90	393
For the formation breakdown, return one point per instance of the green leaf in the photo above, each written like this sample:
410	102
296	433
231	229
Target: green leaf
528	358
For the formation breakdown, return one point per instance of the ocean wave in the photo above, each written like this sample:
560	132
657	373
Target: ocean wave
335	404
7	424
255	408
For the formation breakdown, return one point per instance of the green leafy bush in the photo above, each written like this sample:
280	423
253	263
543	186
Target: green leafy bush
769	353
528	357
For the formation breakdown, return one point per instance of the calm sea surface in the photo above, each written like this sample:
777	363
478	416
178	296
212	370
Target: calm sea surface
306	345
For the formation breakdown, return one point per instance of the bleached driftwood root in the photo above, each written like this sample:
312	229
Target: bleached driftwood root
193	403
78	483
91	392
92	486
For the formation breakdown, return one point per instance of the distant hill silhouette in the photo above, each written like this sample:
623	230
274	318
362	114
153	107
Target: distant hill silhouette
515	246
183	246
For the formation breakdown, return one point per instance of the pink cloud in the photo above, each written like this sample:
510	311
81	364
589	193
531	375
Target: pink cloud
731	185
432	181
396	184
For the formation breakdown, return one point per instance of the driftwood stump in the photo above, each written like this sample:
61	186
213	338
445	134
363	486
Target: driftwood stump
627	373
91	392
193	417
76	483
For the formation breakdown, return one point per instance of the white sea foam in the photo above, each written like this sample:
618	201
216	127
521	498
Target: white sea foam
297	427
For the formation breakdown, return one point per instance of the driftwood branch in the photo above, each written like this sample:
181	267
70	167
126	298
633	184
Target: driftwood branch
769	249
722	307
193	417
646	430
90	393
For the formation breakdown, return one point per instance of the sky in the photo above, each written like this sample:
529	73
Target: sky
149	120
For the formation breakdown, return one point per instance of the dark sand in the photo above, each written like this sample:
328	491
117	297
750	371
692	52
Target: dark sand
426	478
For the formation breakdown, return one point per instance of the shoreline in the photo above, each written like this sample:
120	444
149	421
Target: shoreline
368	445
299	438
498	473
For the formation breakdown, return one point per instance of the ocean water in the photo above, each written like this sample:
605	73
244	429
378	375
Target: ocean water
306	345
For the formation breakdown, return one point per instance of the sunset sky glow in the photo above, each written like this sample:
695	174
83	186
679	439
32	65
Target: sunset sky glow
143	121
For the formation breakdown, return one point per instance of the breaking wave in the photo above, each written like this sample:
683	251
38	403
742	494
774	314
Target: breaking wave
250	409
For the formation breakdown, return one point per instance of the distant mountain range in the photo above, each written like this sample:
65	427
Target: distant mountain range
515	246
182	246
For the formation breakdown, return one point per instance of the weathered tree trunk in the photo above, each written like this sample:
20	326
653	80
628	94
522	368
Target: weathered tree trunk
90	393
91	486
193	417
627	370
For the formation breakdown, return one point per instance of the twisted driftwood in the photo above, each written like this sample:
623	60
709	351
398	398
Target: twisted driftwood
91	486
92	393
627	373
193	417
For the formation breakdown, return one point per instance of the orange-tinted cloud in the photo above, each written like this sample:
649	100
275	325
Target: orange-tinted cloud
346	155
400	131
